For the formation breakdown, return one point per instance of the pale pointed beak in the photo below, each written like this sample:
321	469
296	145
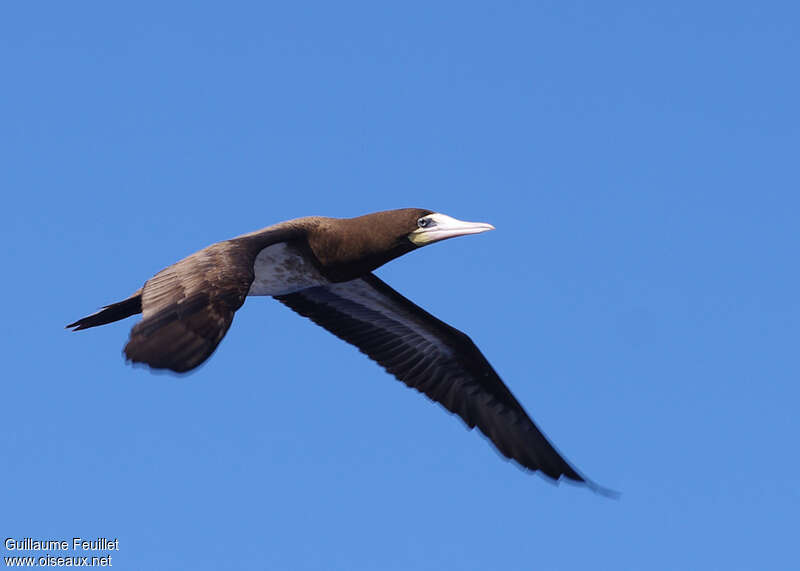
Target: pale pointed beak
443	227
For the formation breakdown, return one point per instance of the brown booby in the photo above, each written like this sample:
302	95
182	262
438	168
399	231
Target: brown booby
322	269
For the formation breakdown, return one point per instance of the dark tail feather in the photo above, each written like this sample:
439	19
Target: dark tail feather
110	313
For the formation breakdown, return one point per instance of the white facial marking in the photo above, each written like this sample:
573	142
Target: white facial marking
442	227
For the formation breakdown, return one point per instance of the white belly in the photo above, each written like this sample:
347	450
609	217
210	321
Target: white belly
280	270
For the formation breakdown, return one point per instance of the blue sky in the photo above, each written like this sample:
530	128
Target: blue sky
639	296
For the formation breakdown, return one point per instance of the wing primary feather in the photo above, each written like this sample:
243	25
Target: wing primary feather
437	360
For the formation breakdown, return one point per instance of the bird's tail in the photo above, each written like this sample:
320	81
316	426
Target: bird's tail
111	313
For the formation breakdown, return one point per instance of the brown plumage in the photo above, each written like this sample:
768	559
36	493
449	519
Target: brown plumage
321	268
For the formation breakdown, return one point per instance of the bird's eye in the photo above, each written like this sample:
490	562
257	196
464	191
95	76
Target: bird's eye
424	222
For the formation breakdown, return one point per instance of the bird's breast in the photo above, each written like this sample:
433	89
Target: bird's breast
282	269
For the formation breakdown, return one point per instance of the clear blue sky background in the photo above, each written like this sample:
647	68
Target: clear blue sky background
640	294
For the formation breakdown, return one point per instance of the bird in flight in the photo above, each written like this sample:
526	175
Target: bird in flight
322	269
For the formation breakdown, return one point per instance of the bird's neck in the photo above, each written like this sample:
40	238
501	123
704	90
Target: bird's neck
349	254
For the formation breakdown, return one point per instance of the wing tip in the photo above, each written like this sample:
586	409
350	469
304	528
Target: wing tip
576	479
602	490
146	352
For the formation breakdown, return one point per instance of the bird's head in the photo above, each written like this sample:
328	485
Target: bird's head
349	247
430	227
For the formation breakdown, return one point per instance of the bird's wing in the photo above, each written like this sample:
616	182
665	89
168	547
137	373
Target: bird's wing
433	358
188	307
